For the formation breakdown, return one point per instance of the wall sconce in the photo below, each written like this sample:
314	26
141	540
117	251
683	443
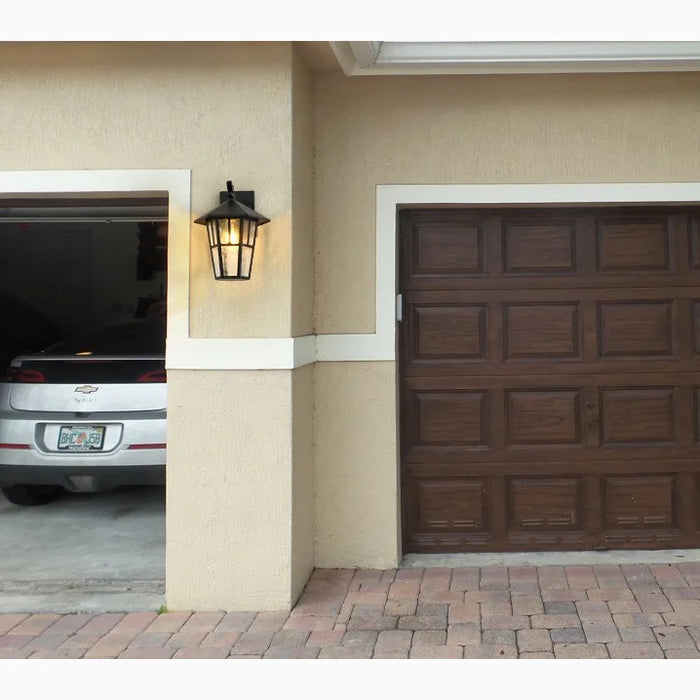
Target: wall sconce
232	229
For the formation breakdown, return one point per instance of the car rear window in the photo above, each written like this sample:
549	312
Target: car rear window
139	337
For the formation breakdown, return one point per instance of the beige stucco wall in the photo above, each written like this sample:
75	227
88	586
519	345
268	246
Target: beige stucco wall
303	523
223	111
355	465
478	129
302	198
433	130
229	504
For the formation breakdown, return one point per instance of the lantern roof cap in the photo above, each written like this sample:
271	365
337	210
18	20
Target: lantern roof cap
231	208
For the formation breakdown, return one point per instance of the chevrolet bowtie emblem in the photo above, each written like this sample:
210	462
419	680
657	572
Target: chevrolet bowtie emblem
87	389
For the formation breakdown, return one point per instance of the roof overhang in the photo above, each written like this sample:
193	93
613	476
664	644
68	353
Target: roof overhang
503	57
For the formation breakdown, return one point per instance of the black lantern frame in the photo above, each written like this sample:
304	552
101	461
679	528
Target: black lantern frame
232	228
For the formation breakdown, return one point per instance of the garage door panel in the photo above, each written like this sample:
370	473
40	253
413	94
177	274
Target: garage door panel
544	331
634	244
449	332
541	417
562	381
539	247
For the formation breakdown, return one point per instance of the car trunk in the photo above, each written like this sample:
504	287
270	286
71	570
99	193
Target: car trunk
88	385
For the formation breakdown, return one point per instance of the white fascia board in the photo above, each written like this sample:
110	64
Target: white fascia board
437	58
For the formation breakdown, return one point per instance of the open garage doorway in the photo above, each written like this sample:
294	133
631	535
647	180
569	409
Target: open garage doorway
83	283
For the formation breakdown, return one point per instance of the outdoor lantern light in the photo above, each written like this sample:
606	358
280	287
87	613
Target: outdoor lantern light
232	229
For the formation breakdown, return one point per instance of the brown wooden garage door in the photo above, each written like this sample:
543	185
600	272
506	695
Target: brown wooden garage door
549	379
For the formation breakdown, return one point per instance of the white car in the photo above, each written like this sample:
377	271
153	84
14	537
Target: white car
86	414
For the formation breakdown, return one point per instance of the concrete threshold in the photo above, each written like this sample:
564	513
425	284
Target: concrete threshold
591	558
86	596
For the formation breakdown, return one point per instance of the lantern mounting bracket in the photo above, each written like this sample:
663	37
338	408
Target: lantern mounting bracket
246	197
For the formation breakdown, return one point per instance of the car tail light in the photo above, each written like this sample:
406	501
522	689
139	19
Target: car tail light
21	375
156	375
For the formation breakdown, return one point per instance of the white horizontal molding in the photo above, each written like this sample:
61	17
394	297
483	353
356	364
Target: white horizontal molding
240	353
503	57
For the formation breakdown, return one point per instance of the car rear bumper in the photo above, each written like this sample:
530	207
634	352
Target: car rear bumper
136	457
84	477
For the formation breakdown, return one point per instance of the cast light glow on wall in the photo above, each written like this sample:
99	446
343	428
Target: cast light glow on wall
232	228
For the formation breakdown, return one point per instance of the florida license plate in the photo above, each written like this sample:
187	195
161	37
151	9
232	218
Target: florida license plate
81	438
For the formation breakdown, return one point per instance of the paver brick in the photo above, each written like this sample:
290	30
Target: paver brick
506	637
35	624
235	622
253	643
527	605
390	641
422	622
572	594
435	652
465	578
494	609
220	639
184	640
432	609
494	577
486	596
402	590
581	577
464	633
600	632
568	635
552	577
201	653
637	634
635	650
269	621
506	622
682	654
150	639
15	653
668	575
8	621
638	620
167	622
353	652
490	651
580	651
390	655
365	610
554	621
310	623
560	607
289	638
291	653
56	654
322	638
622	606
536	655
463	612
376	623
406	606
446	596
146	652
360	638
15	641
426	637
674	638
69	623
409	575
47	641
653	602
610	594
534	640
437	579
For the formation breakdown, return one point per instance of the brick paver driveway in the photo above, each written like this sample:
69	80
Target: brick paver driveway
629	611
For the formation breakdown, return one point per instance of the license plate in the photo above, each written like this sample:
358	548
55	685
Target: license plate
81	438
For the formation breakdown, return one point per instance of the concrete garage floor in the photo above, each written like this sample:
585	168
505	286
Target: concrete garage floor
85	552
